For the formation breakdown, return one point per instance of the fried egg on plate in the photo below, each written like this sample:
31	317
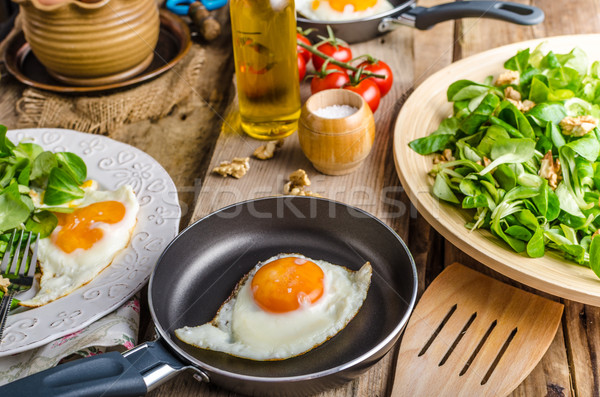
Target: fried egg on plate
282	308
85	241
341	10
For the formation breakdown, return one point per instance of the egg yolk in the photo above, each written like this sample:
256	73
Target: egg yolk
340	5
77	229
88	183
286	283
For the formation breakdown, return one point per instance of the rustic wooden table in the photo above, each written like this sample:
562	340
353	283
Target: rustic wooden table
570	366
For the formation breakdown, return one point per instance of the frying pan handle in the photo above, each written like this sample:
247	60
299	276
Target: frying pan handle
424	18
521	14
111	374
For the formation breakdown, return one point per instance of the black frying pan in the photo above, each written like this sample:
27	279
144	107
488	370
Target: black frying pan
199	269
406	12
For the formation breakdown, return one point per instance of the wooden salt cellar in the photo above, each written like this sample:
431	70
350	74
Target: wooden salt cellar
336	146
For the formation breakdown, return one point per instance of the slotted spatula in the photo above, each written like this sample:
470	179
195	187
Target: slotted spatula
471	335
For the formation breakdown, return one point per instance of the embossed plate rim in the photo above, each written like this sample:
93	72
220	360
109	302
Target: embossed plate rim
111	163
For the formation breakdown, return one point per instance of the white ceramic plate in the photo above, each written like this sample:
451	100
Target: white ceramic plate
112	164
422	113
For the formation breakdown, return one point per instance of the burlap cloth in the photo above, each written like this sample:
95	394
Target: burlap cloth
106	112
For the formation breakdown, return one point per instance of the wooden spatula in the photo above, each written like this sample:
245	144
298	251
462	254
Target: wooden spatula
471	335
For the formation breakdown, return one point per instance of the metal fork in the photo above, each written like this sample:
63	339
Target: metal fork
21	274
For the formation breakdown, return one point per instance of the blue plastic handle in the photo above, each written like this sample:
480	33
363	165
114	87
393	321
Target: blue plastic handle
181	7
108	375
213	4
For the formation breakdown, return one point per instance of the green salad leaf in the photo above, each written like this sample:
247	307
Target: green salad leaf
26	170
42	222
13	211
61	187
5	145
72	164
431	144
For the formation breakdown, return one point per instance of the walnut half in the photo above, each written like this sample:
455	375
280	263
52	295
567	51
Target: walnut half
236	168
524	106
298	181
511	93
444	157
578	126
509	77
550	170
4	283
514	97
267	151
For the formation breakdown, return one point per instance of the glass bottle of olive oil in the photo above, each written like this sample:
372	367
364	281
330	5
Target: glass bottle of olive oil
264	48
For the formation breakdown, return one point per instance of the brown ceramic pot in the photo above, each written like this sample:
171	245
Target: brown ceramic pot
92	42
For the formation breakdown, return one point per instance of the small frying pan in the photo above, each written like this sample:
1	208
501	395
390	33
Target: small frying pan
406	12
200	268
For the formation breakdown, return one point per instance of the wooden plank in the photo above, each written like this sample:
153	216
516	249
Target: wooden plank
434	48
568	17
479	34
583	338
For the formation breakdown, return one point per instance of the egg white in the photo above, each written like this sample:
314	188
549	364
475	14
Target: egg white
63	272
241	328
324	12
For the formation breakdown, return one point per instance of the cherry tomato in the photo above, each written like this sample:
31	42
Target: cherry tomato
301	67
332	78
380	67
304	52
341	53
368	90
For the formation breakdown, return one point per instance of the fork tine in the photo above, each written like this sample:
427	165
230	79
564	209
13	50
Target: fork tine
33	262
23	264
12	268
6	256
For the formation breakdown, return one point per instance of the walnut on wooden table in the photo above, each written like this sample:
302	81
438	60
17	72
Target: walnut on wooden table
267	151
236	168
297	184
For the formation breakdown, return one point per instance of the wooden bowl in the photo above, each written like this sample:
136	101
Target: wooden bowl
92	43
336	146
422	113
